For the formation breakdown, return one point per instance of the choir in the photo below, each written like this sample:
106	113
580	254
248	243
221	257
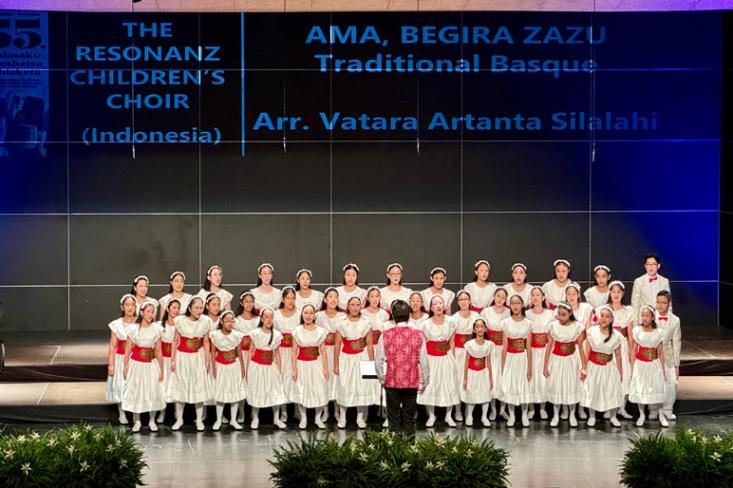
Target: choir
517	345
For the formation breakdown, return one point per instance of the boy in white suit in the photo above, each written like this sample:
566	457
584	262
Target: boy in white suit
646	287
672	332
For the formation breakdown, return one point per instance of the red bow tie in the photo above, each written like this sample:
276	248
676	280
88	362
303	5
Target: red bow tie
653	279
663	318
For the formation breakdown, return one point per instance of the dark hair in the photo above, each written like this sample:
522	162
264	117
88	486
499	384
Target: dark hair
475	272
651	255
572	315
610	326
303	309
434	273
240	307
422	302
285	293
554	271
390	269
463	292
208	298
430	312
297	280
122	305
207	282
544	298
190	302
525	273
177	273
166	315
272	327
610	300
400	311
595	280
139	319
325	295
493	300
135	282
666	294
523	310
654	322
580	294
348	267
259	280
473	328
348	314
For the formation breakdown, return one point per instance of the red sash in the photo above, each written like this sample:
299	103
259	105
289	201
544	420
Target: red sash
563	348
353	346
622	330
261	356
476	364
121	346
461	339
246	343
190	344
599	358
308	353
516	346
476	309
142	354
226	357
539	339
376	334
166	348
437	348
551	306
287	340
647	354
495	336
330	339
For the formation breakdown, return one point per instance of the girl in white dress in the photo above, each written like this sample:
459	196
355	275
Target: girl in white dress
264	380
442	390
227	368
140	291
597	295
375	315
648	376
143	368
353	345
212	284
477	381
540	316
494	316
437	280
481	291
309	369
329	317
350	287
245	322
168	325
286	320
582	311
265	293
418	315
563	363
516	361
518	285
190	363
463	320
555	288
304	294
602	385
116	353
394	289
623	324
212	309
176	290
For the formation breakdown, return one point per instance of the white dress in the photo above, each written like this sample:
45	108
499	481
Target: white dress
315	299
185	298
447	295
478	389
563	387
481	297
539	326
229	386
602	386
462	334
583	313
264	382
116	383
526	293
515	387
311	388
494	322
330	324
647	384
190	383
224	297
286	326
140	303
166	343
554	294
595	298
265	300
376	322
143	390
442	390
387	296
621	318
417	323
352	390
345	296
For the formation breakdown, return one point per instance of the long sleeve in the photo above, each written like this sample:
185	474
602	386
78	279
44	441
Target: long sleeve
424	365
380	359
636	299
677	344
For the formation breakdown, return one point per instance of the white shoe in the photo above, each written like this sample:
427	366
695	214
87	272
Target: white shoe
177	425
543	414
320	423
469	422
240	418
486	422
663	420
254	424
492	415
530	413
200	426
303	424
654	415
284	416
583	414
224	420
431	421
217	424
607	414
161	417
555	420
640	420
459	415
512	419
449	420
153	426
504	415
361	424
591	421
573	421
340	424
525	420
615	422
385	424
136	427
324	415
235	425
279	424
625	415
123	419
670	416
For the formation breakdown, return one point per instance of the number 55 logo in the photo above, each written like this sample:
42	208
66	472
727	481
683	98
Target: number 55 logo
20	33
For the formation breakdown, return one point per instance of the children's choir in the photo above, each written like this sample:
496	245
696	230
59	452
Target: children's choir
517	345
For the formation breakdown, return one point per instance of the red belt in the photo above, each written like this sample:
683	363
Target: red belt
262	356
246	343
599	358
166	348
496	336
646	354
539	339
142	354
354	346
308	353
461	339
226	357
551	306
121	346
476	364
190	344
287	340
516	345
563	348
376	334
437	348
623	330
330	339
476	309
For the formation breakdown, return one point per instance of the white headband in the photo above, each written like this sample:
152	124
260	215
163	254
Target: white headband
648	307
177	273
369	290
480	262
125	297
259	268
565	305
437	269
224	313
515	265
171	301
301	271
605	307
244	294
210	297
140	277
573	285
330	289
350	265
393	265
537	287
617	282
464	292
561	261
286	288
603	267
212	268
264	309
438	297
149	302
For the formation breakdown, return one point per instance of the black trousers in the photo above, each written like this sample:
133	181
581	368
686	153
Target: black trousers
401	408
